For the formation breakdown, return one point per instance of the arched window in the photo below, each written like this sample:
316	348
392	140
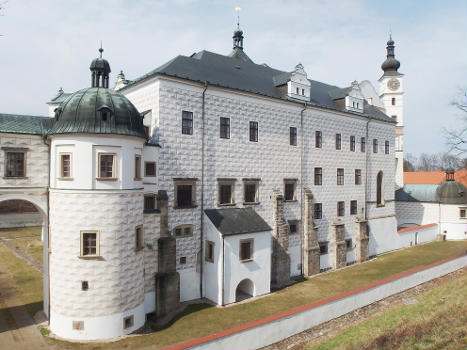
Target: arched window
105	113
380	189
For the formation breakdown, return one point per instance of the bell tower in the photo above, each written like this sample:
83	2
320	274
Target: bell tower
391	93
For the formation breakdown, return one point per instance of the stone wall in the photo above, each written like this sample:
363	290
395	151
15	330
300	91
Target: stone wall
280	259
338	245
311	248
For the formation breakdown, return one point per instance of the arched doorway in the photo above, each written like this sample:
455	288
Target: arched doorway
245	290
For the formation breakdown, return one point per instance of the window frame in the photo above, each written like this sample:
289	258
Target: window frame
61	171
224	128
352	143
353	207
340	173
290	182
154	207
386	147
114	166
318	139
226	182
185	182
318	176
358	177
322	245
317	209
254	127
293	136
24	160
139	238
363	144
187	129
375	145
87	256
338	142
209	248
348	244
340	208
380	202
250	241
146	174
138	164
128	322
295	223
183	231
464	209
249	182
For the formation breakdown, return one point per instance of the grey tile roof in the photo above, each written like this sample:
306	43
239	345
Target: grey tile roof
236	73
25	124
417	193
234	221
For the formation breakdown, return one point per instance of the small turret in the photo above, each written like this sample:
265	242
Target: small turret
100	69
390	64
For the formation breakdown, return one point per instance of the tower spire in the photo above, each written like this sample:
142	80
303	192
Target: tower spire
100	70
391	64
238	33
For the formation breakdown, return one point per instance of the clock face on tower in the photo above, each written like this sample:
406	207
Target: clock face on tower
393	84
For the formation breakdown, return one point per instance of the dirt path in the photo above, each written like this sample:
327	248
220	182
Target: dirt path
332	328
17	329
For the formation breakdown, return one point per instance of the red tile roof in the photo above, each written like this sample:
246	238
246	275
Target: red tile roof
413	228
433	177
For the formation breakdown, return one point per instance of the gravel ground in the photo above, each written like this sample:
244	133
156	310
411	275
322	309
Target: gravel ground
331	328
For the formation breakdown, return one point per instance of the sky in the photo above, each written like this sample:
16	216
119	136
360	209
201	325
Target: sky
46	44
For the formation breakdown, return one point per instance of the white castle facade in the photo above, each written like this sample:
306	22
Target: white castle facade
209	177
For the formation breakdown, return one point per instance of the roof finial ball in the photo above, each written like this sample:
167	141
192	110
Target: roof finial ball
100	70
238	33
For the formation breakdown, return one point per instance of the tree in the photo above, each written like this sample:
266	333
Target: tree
456	138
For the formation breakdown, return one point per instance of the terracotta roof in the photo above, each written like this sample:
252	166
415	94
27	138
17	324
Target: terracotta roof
418	227
433	177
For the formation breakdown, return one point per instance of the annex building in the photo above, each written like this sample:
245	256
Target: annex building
211	176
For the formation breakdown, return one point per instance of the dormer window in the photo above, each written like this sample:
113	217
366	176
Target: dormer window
298	85
57	111
105	113
354	98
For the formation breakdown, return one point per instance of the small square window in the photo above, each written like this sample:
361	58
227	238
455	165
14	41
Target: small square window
338	141
15	164
318	211
84	285
139	239
462	213
77	325
352	143
353	207
183	260
128	322
293	226
254	131
289	190
89	243
340	176
348	244
224	128
178	232
187	123
107	166
358	176
323	248
65	165
183	231
393	101
293	136
149	203
340	208
318	139
149	169
246	250
209	253
318	176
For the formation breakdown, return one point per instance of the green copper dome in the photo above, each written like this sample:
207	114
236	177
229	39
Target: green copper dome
98	110
451	192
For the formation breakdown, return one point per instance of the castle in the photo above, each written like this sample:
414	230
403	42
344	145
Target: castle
209	177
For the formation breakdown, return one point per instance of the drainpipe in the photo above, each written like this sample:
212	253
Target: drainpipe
301	188
48	226
367	145
223	271
202	191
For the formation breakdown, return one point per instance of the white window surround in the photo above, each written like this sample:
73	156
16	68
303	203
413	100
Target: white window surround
86	256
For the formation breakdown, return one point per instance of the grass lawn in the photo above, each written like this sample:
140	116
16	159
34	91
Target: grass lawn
437	321
199	320
27	239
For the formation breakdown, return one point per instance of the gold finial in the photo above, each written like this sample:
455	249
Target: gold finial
237	9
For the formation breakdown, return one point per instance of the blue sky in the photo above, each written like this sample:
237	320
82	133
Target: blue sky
49	44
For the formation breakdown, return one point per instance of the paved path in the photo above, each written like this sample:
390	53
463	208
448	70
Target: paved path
17	329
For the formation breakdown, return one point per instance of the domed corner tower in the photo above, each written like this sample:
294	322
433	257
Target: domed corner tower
96	213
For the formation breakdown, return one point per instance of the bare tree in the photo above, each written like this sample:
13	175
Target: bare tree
456	138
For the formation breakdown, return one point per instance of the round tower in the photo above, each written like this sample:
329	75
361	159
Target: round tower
96	213
391	93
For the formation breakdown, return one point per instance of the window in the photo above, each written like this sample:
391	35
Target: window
340	176
394	117
209	253
289	189
105	113
318	139
137	167
303	92
139	239
338	141
352	143
462	213
353	207
323	248
225	190
379	189
293	136
128	322
293	226
149	169
65	165
183	231
250	191
386	147
15	164
362	144
318	176
340	208
77	325
184	193
224	128
358	176
246	250
318	211
149	203
348	243
393	101
89	243
146	131
187	123
375	145
182	260
297	90
84	285
254	131
106	166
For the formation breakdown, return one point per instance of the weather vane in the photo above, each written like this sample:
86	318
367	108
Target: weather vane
237	9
